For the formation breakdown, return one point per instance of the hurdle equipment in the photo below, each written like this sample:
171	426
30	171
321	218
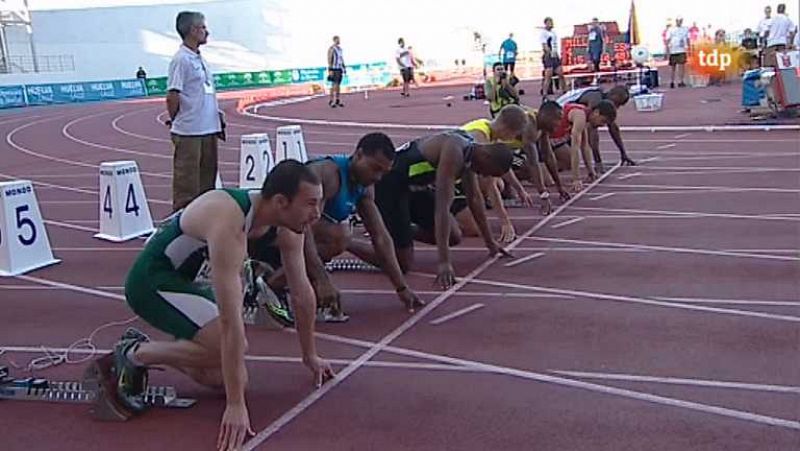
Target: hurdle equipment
255	160
290	144
24	245
124	212
44	390
350	264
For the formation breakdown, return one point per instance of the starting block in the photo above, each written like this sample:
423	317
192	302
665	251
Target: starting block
24	245
124	212
290	144
44	390
350	264
255	160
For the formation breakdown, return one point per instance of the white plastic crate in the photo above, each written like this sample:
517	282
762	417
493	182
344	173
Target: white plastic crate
649	102
699	80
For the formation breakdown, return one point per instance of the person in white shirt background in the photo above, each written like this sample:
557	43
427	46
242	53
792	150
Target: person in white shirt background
551	58
406	64
336	70
779	35
763	26
195	119
676	48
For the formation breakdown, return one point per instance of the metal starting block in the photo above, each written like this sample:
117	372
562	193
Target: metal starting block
350	264
39	389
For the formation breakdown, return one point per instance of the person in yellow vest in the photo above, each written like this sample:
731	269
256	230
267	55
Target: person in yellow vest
499	90
508	125
531	149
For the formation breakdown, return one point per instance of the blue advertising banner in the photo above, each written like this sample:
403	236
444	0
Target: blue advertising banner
309	75
12	96
84	91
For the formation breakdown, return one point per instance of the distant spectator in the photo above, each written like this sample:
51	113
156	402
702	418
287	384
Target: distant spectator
694	33
141	73
763	26
596	42
195	119
551	58
750	50
336	70
665	31
779	35
676	49
508	53
406	66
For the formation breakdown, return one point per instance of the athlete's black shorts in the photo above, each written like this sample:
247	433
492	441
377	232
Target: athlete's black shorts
400	207
408	74
335	76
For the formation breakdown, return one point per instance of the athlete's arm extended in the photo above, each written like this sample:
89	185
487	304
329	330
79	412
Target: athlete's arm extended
303	301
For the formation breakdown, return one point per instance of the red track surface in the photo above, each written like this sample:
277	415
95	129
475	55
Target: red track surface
687	269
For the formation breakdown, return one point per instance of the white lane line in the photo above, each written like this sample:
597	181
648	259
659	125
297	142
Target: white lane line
636	300
681	381
494	294
713	172
71	287
266	359
729	301
767	251
702	188
249	112
721	168
677	250
666	146
597	388
601	196
57	176
307	402
627	176
682	135
74	190
770	217
566	223
10	141
65	131
456	314
97	249
70	226
722	157
518	261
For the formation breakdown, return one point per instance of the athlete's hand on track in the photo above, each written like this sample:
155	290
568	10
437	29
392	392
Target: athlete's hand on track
445	276
235	428
410	299
507	233
320	368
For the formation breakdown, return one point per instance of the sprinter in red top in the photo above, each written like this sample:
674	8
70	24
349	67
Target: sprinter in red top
570	137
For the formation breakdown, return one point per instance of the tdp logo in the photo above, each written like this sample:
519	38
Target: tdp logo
714	59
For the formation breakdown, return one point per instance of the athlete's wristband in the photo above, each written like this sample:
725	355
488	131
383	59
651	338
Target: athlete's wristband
401	289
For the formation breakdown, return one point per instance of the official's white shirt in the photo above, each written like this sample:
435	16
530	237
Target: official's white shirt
198	113
677	39
779	30
763	26
404	56
550	37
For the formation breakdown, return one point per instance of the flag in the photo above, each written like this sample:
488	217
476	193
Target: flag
634	38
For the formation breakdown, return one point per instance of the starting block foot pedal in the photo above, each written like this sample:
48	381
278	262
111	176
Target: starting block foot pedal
105	405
